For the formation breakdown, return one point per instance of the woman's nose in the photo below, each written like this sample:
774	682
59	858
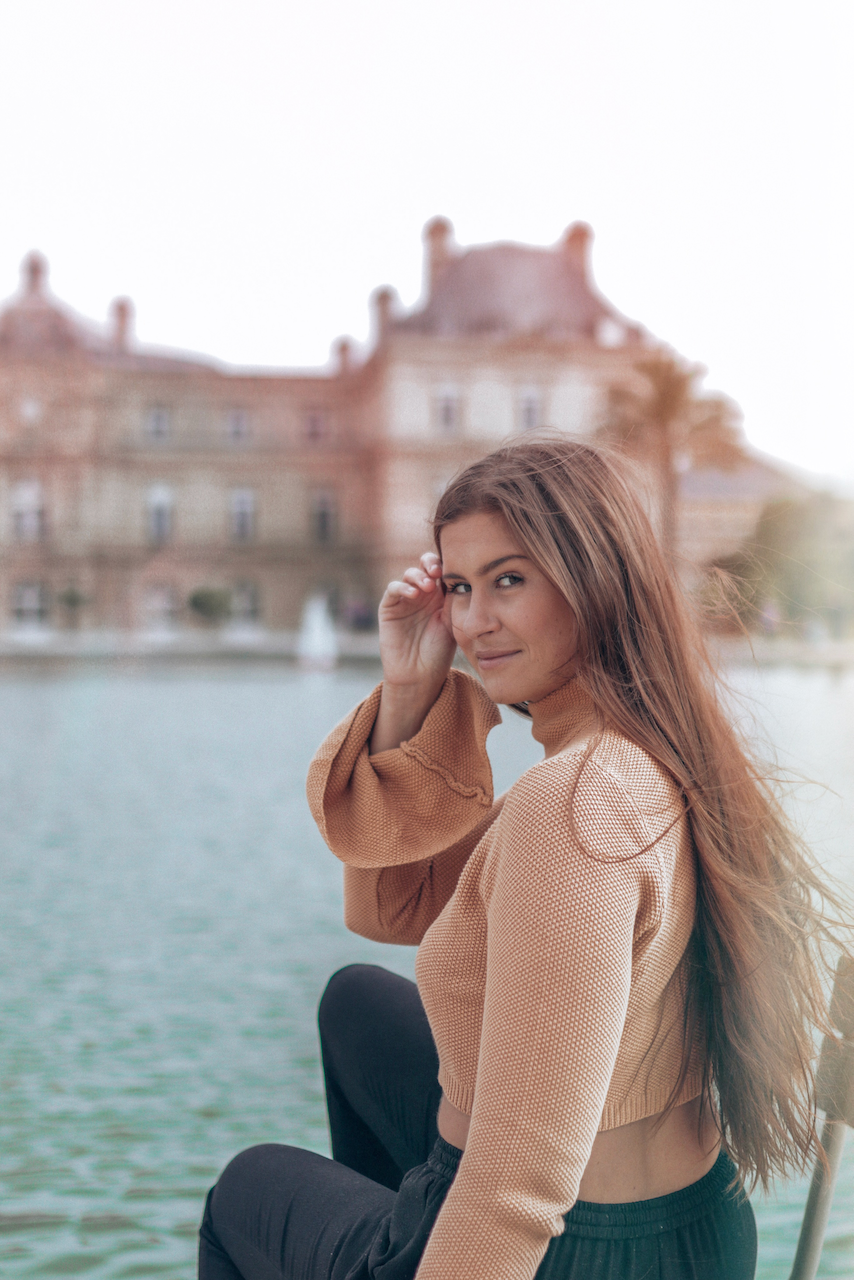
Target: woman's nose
478	618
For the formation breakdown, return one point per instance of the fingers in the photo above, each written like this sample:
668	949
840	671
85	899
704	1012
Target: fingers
418	578
400	591
431	564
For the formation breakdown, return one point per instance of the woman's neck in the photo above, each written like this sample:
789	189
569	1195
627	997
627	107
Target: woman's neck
564	718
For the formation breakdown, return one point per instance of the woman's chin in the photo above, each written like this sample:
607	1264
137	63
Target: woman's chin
503	690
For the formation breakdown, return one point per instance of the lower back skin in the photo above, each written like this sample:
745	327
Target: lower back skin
638	1161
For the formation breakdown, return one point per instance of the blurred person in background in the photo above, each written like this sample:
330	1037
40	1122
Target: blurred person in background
620	960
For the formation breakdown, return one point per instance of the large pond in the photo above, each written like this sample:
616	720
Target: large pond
169	918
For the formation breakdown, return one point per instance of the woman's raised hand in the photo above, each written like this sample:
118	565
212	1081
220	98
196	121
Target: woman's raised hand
416	644
416	647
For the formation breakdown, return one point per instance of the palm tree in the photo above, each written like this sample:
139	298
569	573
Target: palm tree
664	416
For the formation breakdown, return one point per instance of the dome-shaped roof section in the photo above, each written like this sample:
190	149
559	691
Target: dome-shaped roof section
34	323
512	289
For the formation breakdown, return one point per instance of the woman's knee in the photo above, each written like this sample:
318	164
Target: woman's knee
250	1170
271	1171
265	1201
344	993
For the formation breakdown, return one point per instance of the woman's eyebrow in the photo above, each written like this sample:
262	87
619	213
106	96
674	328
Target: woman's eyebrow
487	568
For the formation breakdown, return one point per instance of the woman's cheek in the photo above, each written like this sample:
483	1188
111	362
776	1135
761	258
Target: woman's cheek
460	637
457	618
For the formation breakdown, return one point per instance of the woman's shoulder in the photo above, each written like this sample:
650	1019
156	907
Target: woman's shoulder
608	757
644	778
606	791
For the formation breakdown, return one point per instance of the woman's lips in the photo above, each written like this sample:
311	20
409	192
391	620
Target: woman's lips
492	660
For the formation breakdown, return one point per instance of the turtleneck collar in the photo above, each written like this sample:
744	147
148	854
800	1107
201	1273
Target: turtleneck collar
565	714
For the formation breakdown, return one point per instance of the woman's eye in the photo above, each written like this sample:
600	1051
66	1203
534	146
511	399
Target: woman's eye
508	579
458	589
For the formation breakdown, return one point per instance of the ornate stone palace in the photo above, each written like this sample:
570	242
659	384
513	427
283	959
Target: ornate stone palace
134	481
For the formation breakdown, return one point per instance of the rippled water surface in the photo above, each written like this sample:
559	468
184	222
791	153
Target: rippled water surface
169	915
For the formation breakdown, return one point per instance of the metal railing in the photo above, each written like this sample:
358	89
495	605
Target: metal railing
835	1097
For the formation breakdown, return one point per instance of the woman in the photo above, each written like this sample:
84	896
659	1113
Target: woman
617	960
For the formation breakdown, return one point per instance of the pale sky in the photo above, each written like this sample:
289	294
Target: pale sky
248	172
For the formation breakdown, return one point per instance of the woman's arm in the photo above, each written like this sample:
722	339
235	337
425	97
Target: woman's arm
406	775
412	802
398	904
559	953
416	649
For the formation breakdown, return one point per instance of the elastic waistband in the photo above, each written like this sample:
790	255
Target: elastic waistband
624	1221
652	1217
444	1159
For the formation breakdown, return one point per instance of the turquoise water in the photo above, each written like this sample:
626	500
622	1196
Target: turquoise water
168	917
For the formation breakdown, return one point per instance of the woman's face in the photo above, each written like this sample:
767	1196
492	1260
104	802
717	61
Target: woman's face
512	624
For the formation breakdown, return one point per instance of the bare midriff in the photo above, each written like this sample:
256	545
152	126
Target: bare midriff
638	1161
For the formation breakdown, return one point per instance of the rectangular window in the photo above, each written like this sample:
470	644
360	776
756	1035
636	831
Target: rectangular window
242	515
158	422
30	604
28	517
530	410
160	514
448	410
323	517
315	426
237	425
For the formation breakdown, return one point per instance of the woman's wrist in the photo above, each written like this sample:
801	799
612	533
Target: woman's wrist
402	711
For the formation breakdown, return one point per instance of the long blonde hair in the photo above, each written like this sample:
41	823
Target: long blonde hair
758	952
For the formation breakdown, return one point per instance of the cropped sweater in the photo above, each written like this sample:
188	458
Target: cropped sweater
552	927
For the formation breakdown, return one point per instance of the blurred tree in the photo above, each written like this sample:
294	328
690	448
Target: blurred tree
796	570
714	434
211	604
662	420
72	600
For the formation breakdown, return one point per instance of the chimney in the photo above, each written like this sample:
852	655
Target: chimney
576	245
122	313
343	353
438	251
34	272
383	300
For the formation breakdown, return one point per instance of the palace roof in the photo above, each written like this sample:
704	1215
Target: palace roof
510	288
34	324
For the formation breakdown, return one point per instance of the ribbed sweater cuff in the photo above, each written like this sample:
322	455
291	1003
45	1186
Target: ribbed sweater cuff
452	740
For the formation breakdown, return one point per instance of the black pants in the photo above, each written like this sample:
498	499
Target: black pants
280	1213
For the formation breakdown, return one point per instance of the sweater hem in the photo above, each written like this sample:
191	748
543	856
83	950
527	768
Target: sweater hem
457	1094
614	1116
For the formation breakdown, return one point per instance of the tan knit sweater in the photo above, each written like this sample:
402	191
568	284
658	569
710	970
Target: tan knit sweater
552	925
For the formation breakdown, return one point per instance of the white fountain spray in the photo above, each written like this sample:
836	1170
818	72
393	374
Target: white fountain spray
317	643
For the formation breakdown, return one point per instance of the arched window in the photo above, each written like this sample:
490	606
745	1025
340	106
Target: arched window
324	516
158	422
242	515
237	424
315	426
160	513
448	410
28	517
30	604
530	409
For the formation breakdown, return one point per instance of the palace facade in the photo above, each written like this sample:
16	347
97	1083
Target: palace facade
143	490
